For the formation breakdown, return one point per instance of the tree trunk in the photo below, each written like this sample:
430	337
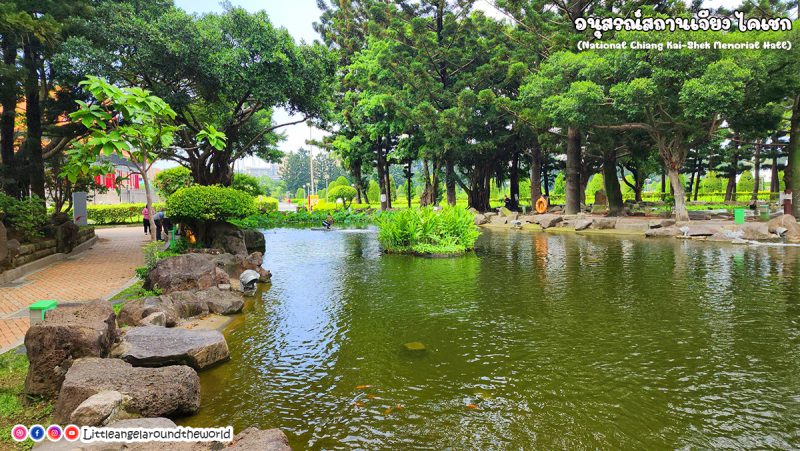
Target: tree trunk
408	183
388	182
663	183
573	170
611	183
730	188
450	181
697	185
8	101
478	193
774	183
545	182
756	171
794	157
536	170
33	120
148	192
514	179
428	196
381	178
681	213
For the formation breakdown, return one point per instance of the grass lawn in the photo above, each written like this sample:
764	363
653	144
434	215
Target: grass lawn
15	407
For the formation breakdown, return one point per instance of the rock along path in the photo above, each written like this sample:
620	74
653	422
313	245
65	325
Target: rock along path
96	273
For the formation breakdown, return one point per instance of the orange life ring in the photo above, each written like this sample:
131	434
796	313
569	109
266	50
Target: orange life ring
541	205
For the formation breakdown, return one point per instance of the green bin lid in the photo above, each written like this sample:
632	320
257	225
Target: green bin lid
43	305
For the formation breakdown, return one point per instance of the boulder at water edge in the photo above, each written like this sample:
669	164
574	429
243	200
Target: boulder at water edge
547	221
256	439
67	334
582	224
254	241
787	222
135	312
153	392
604	223
222	302
185	272
99	409
155	346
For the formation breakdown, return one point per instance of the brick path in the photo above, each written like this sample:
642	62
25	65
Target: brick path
96	273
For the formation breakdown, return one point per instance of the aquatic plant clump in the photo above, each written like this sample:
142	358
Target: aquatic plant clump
427	231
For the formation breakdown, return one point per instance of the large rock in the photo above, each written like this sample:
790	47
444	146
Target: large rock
159	346
252	439
153	392
663	232
227	237
758	231
604	223
66	334
65	232
223	302
480	219
547	221
787	222
582	224
134	312
185	272
254	241
659	223
99	409
188	305
499	220
3	245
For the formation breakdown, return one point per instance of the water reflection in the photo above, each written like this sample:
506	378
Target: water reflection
538	340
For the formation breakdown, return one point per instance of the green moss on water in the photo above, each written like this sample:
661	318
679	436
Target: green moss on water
15	407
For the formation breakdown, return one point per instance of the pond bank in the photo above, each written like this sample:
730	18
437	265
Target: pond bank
779	230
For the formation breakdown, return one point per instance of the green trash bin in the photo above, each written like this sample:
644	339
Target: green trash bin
738	216
764	210
38	309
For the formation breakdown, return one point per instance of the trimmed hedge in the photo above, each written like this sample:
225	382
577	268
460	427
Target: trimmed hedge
210	203
117	213
266	204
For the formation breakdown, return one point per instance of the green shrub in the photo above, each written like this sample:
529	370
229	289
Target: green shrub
248	184
266	204
27	216
344	192
210	203
425	230
300	194
170	180
117	213
301	217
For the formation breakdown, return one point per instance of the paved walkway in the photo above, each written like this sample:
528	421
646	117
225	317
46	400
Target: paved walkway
96	273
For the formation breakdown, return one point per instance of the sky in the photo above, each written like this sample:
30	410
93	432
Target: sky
297	17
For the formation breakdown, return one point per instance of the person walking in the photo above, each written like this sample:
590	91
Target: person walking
158	218
146	220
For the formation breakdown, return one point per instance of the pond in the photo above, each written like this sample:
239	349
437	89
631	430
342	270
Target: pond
538	340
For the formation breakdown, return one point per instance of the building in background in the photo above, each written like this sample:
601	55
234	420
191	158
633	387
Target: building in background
129	190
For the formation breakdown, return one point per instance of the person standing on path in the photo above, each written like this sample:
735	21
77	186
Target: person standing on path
146	221
158	218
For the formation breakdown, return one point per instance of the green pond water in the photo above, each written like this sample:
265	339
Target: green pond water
537	341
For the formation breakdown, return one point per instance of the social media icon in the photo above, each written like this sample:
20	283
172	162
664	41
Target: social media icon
37	432
54	432
71	433
19	432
